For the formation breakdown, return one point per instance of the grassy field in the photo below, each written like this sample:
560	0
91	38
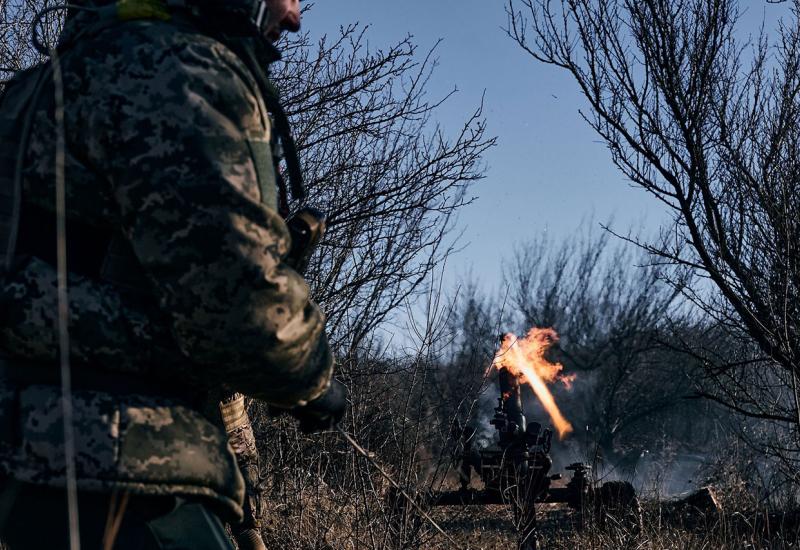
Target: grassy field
491	528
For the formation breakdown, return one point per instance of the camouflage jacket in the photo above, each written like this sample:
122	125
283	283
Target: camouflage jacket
168	146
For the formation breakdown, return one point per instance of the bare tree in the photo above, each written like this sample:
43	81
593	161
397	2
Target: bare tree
16	18
613	316
708	125
391	180
389	177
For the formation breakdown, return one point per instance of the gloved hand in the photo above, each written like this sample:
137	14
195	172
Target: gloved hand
324	412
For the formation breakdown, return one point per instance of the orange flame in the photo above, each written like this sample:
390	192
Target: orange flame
524	357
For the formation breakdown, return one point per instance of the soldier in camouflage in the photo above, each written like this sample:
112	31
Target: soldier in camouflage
179	295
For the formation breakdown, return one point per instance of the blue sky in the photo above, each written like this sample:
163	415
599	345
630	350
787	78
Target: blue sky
549	171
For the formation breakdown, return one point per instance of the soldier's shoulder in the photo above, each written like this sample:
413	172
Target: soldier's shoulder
164	38
144	50
145	69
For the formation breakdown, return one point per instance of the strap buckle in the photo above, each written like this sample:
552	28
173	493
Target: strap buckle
260	15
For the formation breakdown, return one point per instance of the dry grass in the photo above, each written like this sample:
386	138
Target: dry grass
490	528
344	505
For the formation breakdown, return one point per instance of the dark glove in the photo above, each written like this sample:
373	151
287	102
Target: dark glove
324	412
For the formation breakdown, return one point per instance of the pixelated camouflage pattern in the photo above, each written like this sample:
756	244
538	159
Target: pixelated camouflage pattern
106	328
163	125
167	137
143	444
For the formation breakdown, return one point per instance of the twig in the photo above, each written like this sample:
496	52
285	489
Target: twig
363	452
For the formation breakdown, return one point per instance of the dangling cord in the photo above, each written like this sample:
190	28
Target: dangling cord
63	307
43	48
61	268
116	512
6	70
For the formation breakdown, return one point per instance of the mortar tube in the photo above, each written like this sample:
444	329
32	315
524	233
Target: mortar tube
512	398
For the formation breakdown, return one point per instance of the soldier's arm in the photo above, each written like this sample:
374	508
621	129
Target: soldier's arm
186	129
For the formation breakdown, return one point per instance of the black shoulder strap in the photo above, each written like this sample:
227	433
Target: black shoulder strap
272	100
16	116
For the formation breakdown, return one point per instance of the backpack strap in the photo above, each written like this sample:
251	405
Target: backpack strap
16	118
252	53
